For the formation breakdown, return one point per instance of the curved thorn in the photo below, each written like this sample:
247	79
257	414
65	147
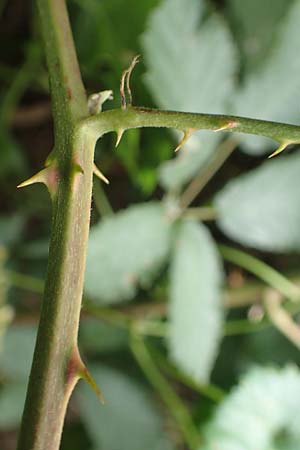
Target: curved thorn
86	376
280	149
76	369
119	137
186	135
99	174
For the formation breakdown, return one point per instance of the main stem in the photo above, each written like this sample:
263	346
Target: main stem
56	364
56	360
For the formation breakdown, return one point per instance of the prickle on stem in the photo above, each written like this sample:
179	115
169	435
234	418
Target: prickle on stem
186	135
99	174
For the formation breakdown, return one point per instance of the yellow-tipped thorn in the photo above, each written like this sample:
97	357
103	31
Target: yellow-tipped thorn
99	174
280	149
186	135
227	126
40	177
119	137
85	375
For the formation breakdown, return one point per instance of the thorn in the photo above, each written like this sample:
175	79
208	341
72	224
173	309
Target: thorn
126	77
86	376
186	135
76	369
99	174
119	137
50	158
228	126
40	177
76	168
280	149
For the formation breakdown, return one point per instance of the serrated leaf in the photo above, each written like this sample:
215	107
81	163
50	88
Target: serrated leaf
129	419
261	209
272	91
127	251
195	311
183	75
12	398
16	357
261	16
263	413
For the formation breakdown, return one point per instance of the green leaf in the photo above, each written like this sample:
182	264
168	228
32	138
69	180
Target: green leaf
12	398
129	419
272	91
261	209
263	413
183	75
195	311
261	16
103	36
127	251
16	357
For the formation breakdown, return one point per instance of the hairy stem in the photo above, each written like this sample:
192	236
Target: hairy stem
120	120
55	369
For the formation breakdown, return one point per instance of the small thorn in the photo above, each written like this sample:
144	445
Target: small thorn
227	126
99	174
280	149
86	376
119	137
50	158
77	168
186	135
76	369
40	177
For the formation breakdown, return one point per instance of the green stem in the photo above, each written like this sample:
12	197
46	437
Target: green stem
266	273
134	117
55	366
171	399
237	327
210	391
200	181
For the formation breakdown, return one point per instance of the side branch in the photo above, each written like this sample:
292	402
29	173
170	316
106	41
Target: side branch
119	120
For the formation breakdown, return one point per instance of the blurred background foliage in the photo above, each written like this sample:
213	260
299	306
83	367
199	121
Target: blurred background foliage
191	302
